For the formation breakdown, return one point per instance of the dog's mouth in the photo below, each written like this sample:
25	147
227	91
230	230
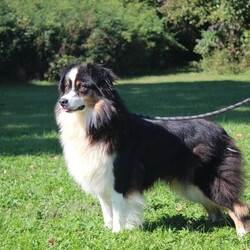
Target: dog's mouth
80	107
68	110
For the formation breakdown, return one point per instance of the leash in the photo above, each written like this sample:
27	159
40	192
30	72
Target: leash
216	112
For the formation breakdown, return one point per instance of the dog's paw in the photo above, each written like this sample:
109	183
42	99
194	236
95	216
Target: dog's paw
116	229
241	232
129	226
108	224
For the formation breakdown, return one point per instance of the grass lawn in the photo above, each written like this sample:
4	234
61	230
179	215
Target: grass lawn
42	208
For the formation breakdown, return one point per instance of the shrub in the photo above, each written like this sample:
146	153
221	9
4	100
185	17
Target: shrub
216	56
58	63
224	26
43	35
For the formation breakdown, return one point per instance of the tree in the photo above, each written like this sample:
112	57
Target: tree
42	36
223	27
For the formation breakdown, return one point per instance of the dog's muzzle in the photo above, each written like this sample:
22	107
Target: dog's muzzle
65	105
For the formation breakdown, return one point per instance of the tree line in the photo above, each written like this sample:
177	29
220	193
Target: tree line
39	37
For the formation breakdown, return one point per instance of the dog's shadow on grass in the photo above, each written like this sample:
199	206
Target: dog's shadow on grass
180	222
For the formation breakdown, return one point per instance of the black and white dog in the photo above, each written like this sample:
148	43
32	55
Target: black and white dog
116	155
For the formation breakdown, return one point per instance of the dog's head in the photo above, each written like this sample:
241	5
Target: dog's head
85	86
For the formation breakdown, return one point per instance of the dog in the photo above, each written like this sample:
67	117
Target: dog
115	155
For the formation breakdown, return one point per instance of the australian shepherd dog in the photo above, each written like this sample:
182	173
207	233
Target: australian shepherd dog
115	155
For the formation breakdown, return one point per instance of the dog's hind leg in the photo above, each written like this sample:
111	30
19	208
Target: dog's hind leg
193	193
238	211
224	199
240	215
224	191
213	211
223	187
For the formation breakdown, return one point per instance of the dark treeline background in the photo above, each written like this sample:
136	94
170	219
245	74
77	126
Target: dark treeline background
39	37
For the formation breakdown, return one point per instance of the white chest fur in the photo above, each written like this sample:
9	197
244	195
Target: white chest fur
89	164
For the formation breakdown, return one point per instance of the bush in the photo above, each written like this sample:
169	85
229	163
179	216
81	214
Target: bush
41	36
219	61
130	36
245	49
58	63
224	31
218	57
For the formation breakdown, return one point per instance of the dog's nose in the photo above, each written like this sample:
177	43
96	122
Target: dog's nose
63	102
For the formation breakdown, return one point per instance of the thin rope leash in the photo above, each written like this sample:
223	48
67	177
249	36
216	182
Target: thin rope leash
216	112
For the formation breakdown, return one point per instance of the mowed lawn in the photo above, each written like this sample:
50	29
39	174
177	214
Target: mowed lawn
42	208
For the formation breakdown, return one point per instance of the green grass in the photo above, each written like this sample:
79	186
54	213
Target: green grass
42	208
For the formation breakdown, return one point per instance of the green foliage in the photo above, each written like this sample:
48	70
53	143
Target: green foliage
133	36
245	48
44	35
59	62
126	37
224	25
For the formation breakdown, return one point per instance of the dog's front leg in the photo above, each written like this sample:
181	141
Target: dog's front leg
106	205
119	211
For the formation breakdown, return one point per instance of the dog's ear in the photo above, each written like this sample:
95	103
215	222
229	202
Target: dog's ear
102	76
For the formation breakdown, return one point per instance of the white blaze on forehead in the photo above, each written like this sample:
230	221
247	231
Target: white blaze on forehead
72	76
74	100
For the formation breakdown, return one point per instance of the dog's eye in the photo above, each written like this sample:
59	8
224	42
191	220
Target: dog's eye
83	87
67	85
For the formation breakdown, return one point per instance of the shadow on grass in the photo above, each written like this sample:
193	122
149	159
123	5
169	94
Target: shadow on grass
179	98
179	222
27	124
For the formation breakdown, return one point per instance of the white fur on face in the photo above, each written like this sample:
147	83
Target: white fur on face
74	100
72	76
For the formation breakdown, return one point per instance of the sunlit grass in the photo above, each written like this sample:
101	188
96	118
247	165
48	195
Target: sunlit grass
185	78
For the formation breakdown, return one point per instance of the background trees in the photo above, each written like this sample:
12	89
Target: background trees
38	37
217	30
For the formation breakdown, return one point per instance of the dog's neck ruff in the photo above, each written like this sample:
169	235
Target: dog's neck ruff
88	162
